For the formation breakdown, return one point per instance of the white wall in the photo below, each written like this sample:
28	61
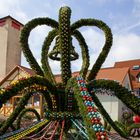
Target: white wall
3	51
126	82
112	105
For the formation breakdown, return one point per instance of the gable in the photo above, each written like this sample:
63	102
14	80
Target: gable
17	73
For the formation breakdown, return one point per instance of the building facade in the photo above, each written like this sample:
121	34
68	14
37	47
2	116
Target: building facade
36	101
112	104
134	66
10	54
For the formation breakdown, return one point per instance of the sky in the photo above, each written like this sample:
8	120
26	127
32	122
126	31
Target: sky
122	16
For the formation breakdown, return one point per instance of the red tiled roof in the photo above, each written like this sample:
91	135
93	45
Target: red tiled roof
133	73
112	73
117	74
128	63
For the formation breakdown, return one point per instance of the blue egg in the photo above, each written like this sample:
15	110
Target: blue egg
95	129
94	126
102	129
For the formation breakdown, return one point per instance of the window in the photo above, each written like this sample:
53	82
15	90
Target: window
36	100
136	67
138	77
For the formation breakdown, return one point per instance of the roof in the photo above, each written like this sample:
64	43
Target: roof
133	73
29	72
128	63
6	17
116	74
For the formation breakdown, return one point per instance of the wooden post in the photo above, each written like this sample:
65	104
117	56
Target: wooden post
41	106
4	112
13	103
33	101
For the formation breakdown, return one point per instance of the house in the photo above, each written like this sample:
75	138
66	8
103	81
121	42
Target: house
120	75
112	104
10	50
134	66
36	101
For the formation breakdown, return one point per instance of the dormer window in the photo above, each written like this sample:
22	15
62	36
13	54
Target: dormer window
138	77
136	67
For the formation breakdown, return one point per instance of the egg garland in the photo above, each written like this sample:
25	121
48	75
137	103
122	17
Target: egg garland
70	100
34	87
65	31
62	115
17	134
54	106
93	114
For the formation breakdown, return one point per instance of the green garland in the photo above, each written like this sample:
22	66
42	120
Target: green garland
15	113
23	112
20	106
122	93
24	40
122	127
82	108
106	125
105	50
20	86
85	53
62	115
107	117
44	59
14	89
64	36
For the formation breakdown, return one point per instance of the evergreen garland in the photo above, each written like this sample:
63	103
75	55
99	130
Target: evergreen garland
24	40
107	117
122	93
64	36
82	108
13	90
23	112
44	59
85	53
15	113
105	50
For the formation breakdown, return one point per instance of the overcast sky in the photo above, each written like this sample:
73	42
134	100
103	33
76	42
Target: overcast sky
122	16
